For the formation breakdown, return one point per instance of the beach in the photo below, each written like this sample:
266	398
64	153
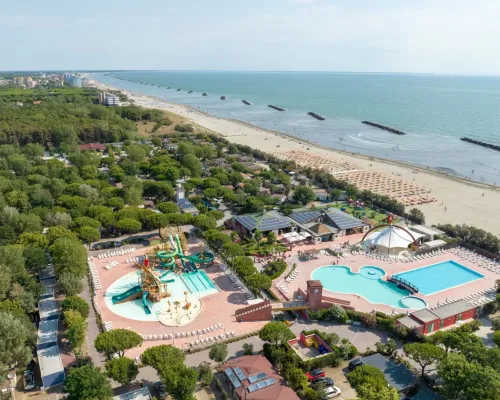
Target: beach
449	199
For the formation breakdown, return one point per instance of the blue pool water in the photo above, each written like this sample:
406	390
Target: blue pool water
197	283
438	277
368	284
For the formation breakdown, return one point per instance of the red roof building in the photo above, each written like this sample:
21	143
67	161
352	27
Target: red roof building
254	378
92	146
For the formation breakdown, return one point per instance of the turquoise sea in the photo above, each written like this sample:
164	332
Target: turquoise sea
434	111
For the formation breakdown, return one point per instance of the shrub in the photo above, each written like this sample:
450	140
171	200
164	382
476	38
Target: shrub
337	313
275	268
495	324
183	128
76	303
369	320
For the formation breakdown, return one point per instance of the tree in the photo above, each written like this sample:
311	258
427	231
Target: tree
88	234
370	384
271	237
337	313
76	303
77	328
496	338
218	352
204	222
122	370
32	238
424	354
16	341
87	383
303	195
70	283
275	333
417	216
132	190
168	207
232	250
296	378
205	373
5	282
128	225
258	282
160	357
117	341
35	257
257	235
247	349
69	255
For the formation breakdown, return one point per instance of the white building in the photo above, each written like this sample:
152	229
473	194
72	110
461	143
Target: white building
109	99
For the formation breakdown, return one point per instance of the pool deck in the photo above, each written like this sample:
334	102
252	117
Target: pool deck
355	262
217	308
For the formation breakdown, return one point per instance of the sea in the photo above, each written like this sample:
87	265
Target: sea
434	111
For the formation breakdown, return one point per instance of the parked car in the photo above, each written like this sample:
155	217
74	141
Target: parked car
315	374
161	393
28	380
327	382
355	364
331	392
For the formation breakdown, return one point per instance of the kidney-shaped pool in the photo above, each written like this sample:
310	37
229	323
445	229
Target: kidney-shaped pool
366	283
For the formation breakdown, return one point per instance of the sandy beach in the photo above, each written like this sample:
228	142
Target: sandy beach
442	198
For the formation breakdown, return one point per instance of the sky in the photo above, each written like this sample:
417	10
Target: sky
418	36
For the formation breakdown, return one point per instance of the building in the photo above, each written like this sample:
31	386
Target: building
321	194
138	394
254	378
426	321
427	232
183	202
266	222
397	375
109	99
92	147
393	239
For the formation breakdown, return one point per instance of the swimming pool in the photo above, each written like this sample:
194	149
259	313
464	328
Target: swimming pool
441	276
368	284
197	283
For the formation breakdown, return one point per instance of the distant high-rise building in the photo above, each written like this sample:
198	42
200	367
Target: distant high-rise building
109	99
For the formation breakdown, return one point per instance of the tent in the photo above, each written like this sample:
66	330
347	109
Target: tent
391	240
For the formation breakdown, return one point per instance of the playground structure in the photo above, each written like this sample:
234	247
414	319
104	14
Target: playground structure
310	346
153	287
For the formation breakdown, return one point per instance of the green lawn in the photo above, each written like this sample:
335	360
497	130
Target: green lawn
251	248
370	212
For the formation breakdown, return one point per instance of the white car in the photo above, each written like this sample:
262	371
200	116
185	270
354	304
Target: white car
331	392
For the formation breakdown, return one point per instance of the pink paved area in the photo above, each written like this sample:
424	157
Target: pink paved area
218	308
355	262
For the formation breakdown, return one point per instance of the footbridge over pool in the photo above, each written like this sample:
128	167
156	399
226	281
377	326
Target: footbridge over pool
290	305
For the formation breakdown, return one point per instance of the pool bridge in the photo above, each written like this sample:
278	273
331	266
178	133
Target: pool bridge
403	283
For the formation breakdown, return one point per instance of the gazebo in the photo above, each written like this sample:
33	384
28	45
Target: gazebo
392	240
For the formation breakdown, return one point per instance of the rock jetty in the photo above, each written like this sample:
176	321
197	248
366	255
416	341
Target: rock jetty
204	94
190	91
223	97
479	143
317	116
276	107
246	102
179	90
383	127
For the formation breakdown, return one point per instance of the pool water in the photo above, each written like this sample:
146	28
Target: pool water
368	284
441	276
197	283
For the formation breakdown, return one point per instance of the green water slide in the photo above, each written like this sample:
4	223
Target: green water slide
125	295
145	294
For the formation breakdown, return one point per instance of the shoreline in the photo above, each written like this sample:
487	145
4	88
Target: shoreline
458	200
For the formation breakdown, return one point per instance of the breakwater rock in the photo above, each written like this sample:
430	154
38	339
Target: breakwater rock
276	107
317	116
383	127
204	94
246	102
223	97
479	143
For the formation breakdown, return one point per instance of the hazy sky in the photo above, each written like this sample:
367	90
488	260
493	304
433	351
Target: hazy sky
440	36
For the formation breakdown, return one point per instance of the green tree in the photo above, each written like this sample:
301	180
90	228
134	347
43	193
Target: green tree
271	237
160	357
35	258
204	222
303	195
232	250
32	238
296	378
69	255
70	283
76	303
496	338
88	234
424	354
87	383
132	190
168	207
128	225
117	341
257	235
275	333
258	282
417	216
218	352
122	370
77	328
205	373
5	282
247	349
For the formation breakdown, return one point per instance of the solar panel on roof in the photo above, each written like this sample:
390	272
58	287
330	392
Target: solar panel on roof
258	377
239	373
305	217
248	222
233	378
343	220
261	385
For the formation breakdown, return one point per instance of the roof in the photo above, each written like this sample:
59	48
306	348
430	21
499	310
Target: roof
392	237
397	375
425	315
267	221
427	230
186	206
409	322
303	217
342	220
92	146
139	394
314	283
434	243
451	309
322	229
254	378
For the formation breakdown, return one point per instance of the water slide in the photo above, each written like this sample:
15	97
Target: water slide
125	295
145	294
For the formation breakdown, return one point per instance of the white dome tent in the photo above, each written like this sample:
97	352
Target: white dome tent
392	240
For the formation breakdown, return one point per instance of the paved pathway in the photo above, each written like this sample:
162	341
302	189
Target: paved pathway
92	329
